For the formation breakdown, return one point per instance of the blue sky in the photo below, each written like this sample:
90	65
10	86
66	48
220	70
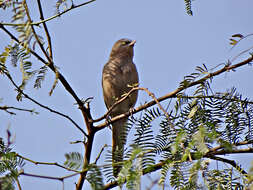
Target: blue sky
170	44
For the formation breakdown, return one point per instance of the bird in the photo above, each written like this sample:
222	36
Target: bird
118	78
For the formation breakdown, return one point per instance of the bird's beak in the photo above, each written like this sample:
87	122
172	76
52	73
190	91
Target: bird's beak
132	43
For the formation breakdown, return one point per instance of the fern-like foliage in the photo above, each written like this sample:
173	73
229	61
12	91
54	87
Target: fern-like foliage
108	169
40	76
20	54
3	58
25	31
74	160
222	179
61	3
178	176
9	166
201	123
132	169
95	178
144	137
188	7
5	4
197	123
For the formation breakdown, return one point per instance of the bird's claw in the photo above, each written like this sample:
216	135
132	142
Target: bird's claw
131	111
108	121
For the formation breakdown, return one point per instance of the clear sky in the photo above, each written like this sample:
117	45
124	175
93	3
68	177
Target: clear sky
170	44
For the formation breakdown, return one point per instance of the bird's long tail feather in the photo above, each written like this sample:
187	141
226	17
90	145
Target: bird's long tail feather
118	142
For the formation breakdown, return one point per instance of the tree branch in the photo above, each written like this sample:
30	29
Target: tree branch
85	110
5	108
223	152
97	158
88	149
231	162
48	177
215	97
43	106
47	163
194	156
46	30
236	144
18	184
36	36
61	77
41	176
174	93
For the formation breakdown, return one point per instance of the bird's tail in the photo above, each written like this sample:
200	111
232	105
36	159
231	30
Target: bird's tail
118	142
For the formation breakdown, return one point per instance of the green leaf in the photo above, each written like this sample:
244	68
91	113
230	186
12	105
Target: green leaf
95	178
233	42
132	170
193	111
74	160
199	139
4	55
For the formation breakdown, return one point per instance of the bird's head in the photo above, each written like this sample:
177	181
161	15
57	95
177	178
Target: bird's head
123	48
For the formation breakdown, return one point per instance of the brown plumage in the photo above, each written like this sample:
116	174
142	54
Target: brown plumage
118	73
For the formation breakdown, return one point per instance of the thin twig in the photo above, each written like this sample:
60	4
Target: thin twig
48	177
18	184
233	145
241	53
41	176
5	108
223	152
46	30
77	141
47	163
166	114
68	176
116	103
215	97
153	183
43	106
231	162
161	107
35	34
100	153
244	37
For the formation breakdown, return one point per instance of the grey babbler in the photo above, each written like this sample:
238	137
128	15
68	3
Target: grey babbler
119	75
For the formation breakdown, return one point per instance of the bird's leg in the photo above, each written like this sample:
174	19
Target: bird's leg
131	111
108	122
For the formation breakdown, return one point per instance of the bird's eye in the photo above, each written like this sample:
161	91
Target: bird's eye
125	42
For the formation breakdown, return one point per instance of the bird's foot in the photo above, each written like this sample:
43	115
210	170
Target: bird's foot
131	111
108	122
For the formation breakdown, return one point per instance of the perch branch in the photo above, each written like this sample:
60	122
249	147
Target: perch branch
175	92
